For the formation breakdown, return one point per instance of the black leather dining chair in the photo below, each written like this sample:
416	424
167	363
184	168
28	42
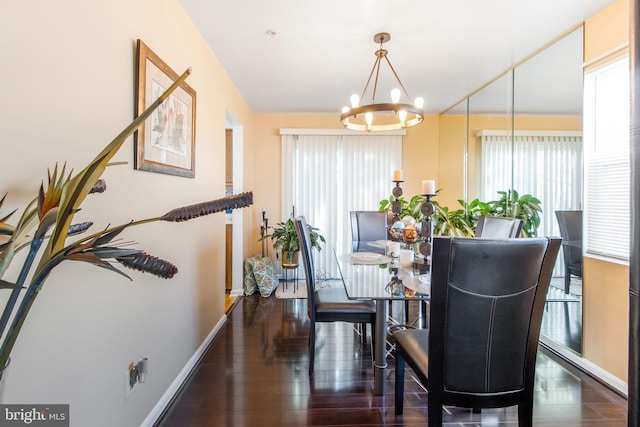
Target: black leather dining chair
368	226
498	227
487	301
570	223
329	304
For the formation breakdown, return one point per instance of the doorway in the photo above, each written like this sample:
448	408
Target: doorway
228	166
234	184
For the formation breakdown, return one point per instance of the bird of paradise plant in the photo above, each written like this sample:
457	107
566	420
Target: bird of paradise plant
51	215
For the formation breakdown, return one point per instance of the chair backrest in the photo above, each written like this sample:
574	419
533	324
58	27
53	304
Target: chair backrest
302	231
570	223
368	226
487	301
498	227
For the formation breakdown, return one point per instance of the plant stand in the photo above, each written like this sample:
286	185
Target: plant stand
285	276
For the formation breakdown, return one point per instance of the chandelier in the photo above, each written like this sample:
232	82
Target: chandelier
387	116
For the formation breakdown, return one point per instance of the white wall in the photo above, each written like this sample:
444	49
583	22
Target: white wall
67	71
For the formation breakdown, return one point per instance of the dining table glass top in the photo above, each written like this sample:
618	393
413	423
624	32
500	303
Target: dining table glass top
374	276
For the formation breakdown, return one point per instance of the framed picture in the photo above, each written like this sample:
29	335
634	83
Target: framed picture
166	141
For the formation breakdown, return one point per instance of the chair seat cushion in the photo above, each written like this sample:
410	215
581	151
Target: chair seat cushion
413	345
334	299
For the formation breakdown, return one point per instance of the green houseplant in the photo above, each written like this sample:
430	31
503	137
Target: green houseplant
48	219
463	221
286	241
411	207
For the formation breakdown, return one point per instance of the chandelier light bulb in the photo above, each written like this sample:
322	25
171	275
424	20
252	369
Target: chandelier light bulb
419	102
368	118
345	109
403	115
355	100
395	95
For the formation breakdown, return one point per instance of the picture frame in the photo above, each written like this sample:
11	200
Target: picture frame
166	142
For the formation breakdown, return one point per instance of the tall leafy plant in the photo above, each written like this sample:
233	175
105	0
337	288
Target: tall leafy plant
48	218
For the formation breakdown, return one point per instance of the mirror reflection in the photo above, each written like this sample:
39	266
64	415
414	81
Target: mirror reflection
522	132
547	150
490	160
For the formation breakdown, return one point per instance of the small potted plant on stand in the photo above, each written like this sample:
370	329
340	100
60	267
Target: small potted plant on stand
285	240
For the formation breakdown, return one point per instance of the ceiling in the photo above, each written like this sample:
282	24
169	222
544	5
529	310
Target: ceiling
288	56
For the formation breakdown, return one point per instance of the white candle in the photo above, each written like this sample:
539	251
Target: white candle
428	186
397	175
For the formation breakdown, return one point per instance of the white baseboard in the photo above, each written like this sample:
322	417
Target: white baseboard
587	366
168	395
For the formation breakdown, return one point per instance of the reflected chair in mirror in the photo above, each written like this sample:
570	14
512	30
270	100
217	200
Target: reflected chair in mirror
329	304
570	223
498	227
487	301
368	226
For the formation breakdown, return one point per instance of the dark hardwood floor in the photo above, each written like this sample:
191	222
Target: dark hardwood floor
255	374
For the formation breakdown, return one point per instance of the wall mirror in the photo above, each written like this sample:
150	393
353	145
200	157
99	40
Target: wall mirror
547	140
522	131
490	123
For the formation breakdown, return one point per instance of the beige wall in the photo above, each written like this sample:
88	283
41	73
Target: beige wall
606	31
68	89
606	285
421	156
606	315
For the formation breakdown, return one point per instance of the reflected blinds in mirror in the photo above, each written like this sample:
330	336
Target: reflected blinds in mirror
546	164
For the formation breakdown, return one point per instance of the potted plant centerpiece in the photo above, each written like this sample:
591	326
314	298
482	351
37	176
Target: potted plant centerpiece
285	240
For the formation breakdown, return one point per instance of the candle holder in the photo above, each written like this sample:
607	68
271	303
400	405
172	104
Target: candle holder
426	227
397	190
264	229
396	206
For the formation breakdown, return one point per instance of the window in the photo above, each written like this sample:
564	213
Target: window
326	176
607	163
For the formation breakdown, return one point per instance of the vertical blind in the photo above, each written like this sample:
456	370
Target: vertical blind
546	164
326	176
607	163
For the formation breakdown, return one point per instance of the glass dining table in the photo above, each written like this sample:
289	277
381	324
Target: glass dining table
377	277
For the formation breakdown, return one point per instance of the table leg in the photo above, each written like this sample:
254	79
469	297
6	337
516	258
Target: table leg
380	351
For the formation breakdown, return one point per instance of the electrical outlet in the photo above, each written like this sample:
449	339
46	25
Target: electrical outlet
130	381
137	374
